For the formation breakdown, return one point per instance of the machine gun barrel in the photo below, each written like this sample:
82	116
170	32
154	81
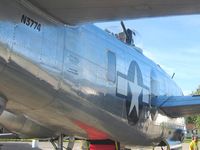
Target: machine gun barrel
124	28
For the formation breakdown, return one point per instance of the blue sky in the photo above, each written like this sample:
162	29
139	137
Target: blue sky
172	42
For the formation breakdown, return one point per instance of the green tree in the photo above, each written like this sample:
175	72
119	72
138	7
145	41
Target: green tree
197	92
195	119
191	119
197	122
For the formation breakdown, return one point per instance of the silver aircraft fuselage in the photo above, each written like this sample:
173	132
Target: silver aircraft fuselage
78	80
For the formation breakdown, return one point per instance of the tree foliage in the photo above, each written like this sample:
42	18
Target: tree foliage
195	119
197	92
191	119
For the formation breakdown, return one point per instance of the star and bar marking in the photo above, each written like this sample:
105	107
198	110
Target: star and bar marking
125	85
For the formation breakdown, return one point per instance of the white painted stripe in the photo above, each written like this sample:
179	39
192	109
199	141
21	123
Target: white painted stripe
146	95
122	85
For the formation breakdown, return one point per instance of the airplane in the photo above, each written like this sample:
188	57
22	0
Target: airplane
61	76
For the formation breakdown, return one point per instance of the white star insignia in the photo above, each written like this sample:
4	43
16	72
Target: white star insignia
135	90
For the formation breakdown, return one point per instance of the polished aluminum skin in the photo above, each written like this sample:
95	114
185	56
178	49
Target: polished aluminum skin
78	81
77	11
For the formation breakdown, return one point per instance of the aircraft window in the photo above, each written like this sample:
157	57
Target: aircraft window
111	66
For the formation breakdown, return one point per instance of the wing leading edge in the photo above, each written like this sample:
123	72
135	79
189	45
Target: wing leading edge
79	11
178	106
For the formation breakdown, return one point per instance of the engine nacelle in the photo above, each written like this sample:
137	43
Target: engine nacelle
23	126
3	102
178	135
